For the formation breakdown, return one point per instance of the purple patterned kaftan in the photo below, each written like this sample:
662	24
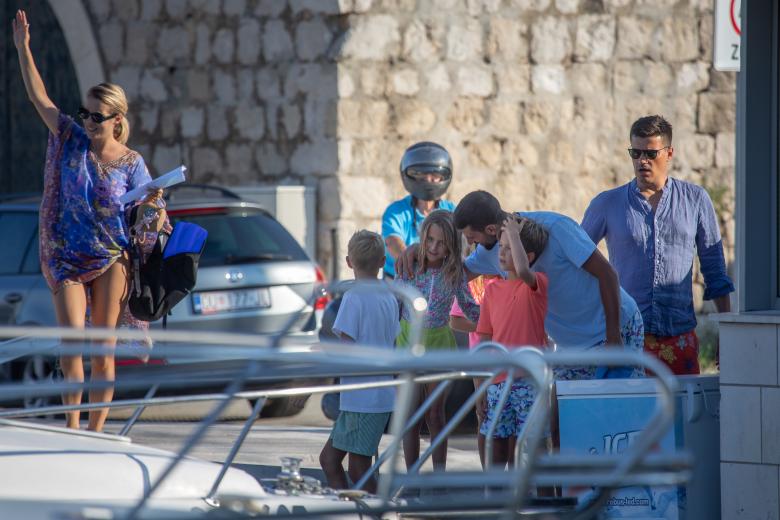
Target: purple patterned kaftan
82	225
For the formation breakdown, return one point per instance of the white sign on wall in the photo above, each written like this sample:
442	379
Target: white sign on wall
728	28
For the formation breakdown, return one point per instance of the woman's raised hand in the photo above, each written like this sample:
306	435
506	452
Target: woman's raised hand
21	30
33	83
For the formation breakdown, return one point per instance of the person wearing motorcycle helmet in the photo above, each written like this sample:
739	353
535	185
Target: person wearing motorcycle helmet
426	172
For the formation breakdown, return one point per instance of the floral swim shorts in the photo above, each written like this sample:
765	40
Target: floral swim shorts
680	353
515	411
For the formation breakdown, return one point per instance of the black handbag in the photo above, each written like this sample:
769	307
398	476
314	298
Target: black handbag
167	275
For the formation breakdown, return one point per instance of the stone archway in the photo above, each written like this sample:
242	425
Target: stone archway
84	52
69	59
23	146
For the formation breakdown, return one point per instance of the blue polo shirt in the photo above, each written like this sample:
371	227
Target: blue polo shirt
401	219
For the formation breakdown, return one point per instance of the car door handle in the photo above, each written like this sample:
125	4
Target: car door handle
13	298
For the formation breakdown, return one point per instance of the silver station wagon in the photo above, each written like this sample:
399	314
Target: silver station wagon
253	276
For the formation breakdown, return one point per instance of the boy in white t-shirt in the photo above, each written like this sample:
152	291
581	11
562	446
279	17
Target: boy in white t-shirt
367	317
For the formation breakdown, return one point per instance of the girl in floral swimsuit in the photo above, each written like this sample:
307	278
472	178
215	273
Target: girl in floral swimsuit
84	235
441	278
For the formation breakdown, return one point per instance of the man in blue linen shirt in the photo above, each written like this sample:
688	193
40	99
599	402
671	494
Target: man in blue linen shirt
652	226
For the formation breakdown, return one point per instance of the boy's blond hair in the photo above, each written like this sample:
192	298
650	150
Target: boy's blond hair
366	251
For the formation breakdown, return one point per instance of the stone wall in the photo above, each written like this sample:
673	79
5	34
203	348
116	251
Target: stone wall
239	90
534	98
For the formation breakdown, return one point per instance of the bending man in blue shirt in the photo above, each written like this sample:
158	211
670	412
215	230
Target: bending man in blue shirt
586	307
652	226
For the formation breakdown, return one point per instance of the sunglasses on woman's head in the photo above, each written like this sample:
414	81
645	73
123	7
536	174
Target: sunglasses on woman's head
97	117
636	153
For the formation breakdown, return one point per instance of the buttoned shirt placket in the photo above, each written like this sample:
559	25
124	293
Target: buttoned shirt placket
651	219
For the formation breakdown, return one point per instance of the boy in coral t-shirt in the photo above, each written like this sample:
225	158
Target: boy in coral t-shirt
512	313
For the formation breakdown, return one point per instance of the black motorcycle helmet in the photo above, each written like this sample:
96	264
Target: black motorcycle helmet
421	159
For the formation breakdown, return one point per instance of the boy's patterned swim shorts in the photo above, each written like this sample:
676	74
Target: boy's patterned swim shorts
515	411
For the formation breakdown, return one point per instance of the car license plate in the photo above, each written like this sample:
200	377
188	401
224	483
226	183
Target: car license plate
225	301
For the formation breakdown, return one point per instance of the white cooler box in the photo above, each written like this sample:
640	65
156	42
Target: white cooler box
604	416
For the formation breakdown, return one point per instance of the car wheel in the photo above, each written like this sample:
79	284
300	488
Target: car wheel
282	406
37	370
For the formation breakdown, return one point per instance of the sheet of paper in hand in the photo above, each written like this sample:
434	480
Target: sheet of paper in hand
174	176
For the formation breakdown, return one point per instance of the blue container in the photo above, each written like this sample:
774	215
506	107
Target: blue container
605	416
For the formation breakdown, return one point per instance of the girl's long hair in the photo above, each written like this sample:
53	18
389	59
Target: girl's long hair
452	268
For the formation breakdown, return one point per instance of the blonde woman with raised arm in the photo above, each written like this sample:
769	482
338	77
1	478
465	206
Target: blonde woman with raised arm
84	236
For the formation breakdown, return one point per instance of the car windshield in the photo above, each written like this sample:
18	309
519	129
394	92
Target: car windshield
239	236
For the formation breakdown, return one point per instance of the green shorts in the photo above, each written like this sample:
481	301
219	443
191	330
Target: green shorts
440	338
359	432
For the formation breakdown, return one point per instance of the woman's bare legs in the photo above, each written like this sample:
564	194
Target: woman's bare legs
109	297
70	306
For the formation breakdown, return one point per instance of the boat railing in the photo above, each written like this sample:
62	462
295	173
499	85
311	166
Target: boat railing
495	488
632	467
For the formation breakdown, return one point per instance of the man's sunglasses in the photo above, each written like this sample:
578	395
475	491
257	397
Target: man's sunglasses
636	153
97	117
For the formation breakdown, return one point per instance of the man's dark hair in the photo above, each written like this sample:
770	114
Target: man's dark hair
651	126
477	210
